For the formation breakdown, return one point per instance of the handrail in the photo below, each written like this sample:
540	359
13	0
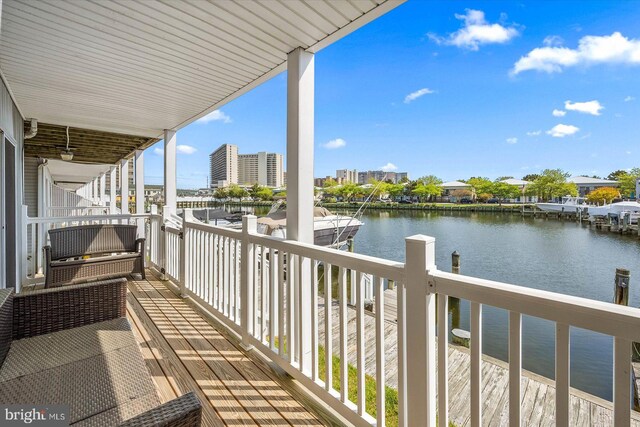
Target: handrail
50	220
598	316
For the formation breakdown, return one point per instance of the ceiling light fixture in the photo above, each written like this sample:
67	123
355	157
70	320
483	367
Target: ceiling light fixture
67	154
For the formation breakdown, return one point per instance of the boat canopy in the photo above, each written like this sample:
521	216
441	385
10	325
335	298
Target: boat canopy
278	219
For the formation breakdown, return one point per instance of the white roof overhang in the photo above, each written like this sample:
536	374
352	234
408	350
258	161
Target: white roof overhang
140	67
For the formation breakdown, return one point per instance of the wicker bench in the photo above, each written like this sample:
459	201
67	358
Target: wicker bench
91	252
74	346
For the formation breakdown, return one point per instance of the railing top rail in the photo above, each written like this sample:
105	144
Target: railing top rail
598	316
226	232
367	264
73	218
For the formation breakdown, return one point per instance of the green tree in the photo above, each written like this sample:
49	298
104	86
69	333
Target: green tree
425	191
481	185
531	177
395	190
236	192
550	184
503	178
503	191
220	193
253	190
263	193
628	182
616	175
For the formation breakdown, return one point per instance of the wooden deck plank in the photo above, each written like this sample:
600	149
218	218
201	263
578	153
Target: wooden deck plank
235	363
175	372
151	357
227	407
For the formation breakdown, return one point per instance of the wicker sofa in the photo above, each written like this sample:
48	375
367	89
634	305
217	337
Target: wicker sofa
74	346
89	252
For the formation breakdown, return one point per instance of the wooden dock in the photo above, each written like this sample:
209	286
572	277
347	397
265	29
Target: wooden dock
538	393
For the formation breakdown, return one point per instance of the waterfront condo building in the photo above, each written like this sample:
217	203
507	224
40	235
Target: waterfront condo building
395	177
261	168
223	165
346	175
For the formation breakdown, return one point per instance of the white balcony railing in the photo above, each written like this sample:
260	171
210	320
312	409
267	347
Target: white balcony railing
272	293
269	291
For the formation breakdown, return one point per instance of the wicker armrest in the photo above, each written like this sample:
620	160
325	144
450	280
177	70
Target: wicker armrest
50	310
140	244
185	411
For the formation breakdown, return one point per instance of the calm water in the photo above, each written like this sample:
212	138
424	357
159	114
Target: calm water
543	254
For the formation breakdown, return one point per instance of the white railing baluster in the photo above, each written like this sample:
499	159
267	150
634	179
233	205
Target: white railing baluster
381	401
291	319
562	374
344	318
238	278
282	286
359	288
314	319
264	289
256	288
227	274
273	297
476	364
328	328
401	331
515	367
621	382
299	313
443	360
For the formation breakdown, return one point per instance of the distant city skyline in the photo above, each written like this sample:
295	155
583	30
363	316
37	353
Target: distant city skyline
428	89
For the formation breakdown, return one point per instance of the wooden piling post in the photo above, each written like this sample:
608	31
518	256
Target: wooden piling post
621	289
455	262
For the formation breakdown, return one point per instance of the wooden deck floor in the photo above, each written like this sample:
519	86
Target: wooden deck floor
185	352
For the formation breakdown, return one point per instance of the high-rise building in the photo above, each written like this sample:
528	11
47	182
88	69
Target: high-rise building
223	165
395	177
261	168
346	175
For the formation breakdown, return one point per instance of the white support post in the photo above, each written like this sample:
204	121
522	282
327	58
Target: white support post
113	191
94	190
300	199
124	186
249	226
103	184
170	183
420	332
139	178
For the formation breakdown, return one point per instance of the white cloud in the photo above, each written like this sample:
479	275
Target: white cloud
215	115
181	149
534	133
512	140
417	94
629	98
553	41
476	31
560	131
591	50
589	107
389	167
335	143
186	149
559	113
628	152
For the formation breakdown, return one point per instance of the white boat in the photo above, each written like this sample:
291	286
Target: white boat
568	204
329	229
617	209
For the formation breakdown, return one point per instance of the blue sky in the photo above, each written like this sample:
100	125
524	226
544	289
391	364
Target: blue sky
455	89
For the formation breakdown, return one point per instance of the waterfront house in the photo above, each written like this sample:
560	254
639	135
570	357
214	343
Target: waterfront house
232	315
587	184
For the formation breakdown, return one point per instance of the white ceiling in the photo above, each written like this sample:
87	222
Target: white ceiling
74	175
139	67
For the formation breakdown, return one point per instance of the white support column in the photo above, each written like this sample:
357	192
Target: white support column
420	332
139	178
170	183
94	190
103	184
300	122
113	191
124	186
